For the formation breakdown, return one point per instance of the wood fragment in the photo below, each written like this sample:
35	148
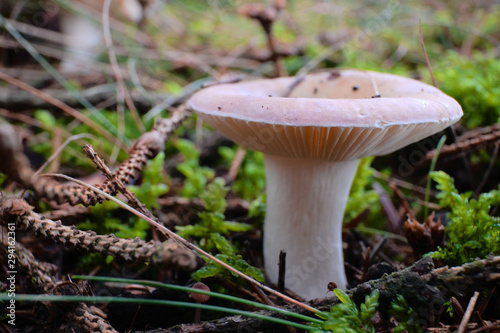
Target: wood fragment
281	271
468	313
235	165
20	100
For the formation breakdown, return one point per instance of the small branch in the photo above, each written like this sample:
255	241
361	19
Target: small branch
64	107
468	144
101	166
266	16
468	313
281	271
393	219
235	165
403	200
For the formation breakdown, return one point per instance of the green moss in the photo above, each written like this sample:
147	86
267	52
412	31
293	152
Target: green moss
229	256
196	175
473	82
347	317
472	232
212	221
251	179
361	195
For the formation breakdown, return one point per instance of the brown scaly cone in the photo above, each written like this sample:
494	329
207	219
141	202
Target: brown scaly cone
425	237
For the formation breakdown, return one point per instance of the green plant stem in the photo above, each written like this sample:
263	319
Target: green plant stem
198	291
110	299
433	165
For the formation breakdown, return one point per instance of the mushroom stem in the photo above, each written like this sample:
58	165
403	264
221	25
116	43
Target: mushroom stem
305	208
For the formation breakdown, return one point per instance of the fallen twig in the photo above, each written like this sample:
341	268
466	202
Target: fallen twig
468	144
468	313
21	100
57	103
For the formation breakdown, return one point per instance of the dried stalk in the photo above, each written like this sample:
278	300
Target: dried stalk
53	101
468	313
119	186
21	100
122	94
195	203
266	16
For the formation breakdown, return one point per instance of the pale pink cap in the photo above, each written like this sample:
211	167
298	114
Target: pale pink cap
329	116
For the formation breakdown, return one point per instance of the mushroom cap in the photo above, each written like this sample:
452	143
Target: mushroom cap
331	116
200	298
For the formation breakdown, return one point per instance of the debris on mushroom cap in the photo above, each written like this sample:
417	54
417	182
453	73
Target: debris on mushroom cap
200	298
325	116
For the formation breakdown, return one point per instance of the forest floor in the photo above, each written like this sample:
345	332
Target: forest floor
421	232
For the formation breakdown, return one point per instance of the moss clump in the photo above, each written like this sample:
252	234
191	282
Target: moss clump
472	232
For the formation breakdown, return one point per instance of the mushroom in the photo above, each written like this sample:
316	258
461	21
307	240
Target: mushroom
199	298
313	133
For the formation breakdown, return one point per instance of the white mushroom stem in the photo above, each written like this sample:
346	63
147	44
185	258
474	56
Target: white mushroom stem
306	200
